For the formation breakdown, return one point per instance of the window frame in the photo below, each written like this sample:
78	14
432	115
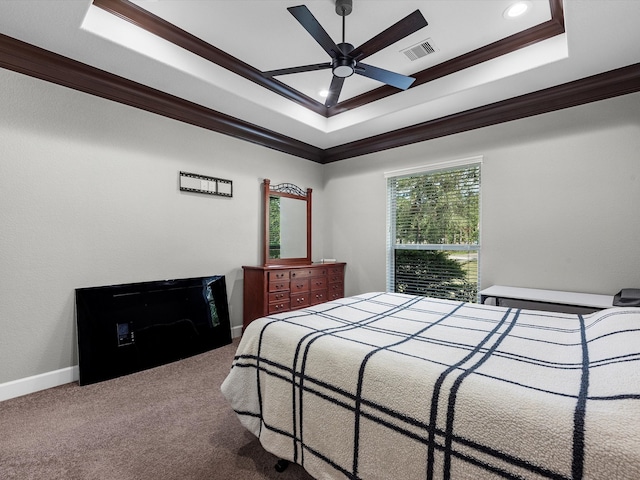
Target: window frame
392	246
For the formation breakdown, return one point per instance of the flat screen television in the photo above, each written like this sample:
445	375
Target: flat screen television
132	327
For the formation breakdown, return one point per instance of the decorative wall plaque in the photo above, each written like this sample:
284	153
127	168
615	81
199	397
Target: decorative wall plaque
193	182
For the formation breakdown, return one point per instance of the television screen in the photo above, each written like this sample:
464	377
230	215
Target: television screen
131	327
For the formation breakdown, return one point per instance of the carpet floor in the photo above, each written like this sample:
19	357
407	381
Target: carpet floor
169	422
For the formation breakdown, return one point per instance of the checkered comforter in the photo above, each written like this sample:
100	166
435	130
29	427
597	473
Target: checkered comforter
391	386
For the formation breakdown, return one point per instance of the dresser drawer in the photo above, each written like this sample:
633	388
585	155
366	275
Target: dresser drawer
299	300
279	275
279	307
319	272
319	296
318	283
278	297
336	271
299	285
301	273
279	286
335	291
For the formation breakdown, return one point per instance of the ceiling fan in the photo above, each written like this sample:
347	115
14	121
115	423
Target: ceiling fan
345	59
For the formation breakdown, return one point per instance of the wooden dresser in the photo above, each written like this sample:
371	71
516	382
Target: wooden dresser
280	288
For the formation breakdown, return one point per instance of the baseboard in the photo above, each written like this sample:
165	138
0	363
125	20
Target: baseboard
236	332
25	386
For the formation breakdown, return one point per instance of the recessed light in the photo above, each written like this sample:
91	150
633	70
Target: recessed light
517	9
323	93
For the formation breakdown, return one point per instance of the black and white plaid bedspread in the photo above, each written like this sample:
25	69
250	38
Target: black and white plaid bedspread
391	386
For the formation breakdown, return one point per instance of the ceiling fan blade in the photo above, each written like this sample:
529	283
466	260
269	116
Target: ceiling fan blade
405	27
304	68
311	25
385	76
334	91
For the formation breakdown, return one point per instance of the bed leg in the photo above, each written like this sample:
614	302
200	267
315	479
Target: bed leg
282	465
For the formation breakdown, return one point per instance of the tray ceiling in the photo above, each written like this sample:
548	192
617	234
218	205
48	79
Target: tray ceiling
210	53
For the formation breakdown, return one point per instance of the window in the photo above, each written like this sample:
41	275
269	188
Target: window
434	230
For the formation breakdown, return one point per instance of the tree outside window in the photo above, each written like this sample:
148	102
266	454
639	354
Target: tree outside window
435	233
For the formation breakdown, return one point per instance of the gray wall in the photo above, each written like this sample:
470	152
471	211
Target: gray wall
560	200
89	196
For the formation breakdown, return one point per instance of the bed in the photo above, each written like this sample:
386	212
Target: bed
392	386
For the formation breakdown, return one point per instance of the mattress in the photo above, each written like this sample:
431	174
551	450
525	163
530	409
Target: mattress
393	386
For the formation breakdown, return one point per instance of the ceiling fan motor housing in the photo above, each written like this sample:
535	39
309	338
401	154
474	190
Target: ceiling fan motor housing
344	7
343	66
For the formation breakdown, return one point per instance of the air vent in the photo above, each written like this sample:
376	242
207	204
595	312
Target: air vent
420	50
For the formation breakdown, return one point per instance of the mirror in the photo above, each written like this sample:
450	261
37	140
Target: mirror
287	224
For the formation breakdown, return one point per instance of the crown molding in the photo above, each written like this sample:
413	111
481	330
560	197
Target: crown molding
153	24
36	62
535	34
171	33
621	81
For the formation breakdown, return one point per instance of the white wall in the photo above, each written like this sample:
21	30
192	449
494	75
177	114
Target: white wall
560	199
89	196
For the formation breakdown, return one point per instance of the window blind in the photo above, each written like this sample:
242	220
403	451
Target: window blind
434	232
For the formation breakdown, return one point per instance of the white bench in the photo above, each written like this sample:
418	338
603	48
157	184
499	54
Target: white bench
557	297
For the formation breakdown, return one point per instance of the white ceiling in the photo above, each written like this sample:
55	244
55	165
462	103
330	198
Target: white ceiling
601	35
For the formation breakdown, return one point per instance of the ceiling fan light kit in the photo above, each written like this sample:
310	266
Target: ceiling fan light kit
345	59
343	67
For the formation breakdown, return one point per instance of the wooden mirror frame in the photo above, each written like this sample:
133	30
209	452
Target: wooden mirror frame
285	190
